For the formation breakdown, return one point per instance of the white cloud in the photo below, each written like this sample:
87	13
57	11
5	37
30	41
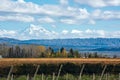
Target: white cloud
90	34
93	3
92	22
72	15
54	26
96	13
105	15
21	1
110	15
38	32
17	17
116	34
99	3
68	21
96	33
76	16
20	10
87	34
88	31
82	14
19	6
100	33
76	31
7	33
49	10
64	2
46	20
65	32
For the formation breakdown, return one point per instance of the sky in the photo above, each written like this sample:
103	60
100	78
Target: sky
59	19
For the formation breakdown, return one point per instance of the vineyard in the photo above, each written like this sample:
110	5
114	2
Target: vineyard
59	69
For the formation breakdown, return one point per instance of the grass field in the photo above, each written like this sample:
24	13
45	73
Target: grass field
66	77
5	62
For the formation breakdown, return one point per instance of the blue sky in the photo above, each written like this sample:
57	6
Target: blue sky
52	19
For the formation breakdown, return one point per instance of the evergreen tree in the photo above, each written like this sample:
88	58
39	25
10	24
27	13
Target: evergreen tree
71	53
10	53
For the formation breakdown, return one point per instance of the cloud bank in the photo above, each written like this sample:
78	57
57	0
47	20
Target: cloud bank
59	14
39	32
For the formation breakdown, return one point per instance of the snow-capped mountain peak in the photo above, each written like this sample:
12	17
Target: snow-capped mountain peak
38	31
33	29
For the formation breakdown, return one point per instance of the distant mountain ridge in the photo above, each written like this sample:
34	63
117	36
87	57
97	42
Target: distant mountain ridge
9	40
77	43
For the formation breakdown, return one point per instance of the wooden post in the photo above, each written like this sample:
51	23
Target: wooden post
12	77
93	76
53	76
59	72
106	76
8	77
47	78
103	72
67	76
119	76
36	72
81	72
42	76
28	77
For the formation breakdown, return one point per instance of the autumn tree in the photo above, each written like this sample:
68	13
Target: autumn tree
63	52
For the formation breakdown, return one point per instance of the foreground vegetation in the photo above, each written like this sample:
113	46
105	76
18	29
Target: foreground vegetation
70	68
66	77
23	60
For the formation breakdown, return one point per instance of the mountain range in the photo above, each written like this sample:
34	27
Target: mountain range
84	44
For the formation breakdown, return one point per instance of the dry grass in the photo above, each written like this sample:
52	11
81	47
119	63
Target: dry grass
19	61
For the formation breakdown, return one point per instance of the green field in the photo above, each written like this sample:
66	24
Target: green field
66	77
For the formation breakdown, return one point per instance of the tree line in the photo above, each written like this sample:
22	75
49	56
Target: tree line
36	51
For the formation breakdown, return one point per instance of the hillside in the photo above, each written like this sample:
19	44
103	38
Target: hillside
100	44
